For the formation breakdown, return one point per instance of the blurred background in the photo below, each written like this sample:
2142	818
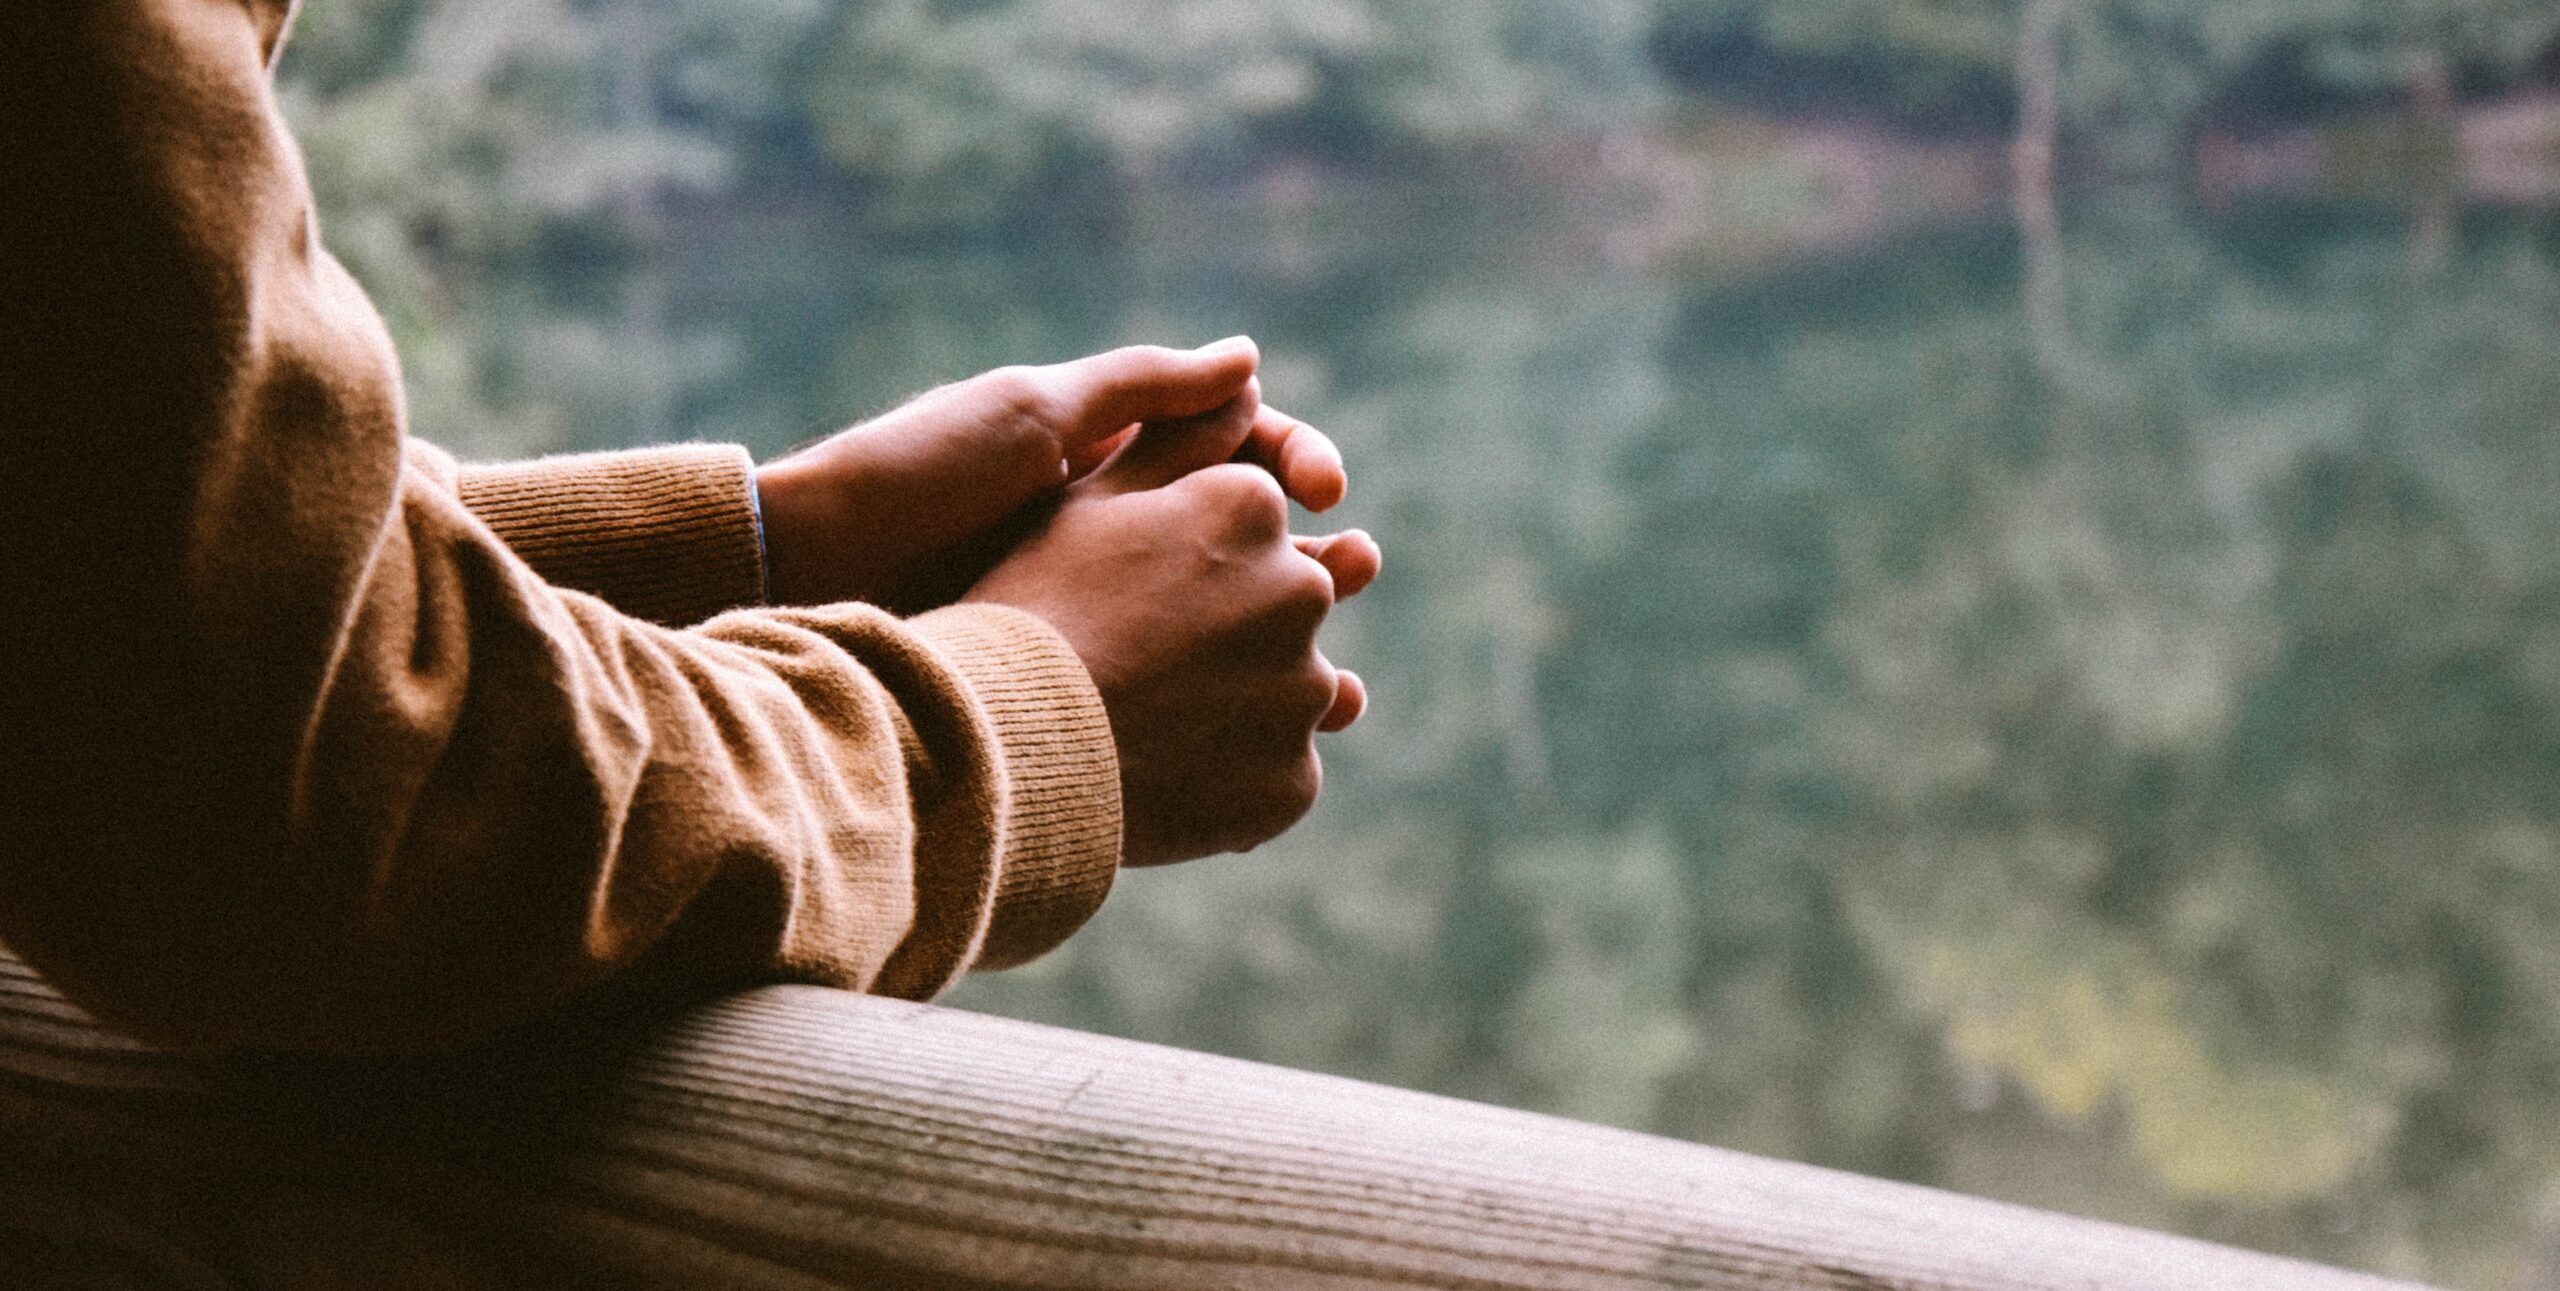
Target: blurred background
1973	587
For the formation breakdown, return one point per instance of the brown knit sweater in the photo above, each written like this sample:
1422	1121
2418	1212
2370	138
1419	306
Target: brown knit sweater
310	743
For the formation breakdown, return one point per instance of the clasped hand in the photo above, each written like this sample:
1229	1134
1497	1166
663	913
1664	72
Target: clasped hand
1137	501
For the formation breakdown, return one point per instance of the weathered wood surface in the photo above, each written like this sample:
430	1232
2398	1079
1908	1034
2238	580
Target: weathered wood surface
795	1137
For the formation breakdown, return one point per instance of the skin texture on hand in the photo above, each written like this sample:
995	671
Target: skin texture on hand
907	510
1171	570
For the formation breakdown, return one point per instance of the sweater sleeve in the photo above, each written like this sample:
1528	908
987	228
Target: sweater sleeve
311	758
667	534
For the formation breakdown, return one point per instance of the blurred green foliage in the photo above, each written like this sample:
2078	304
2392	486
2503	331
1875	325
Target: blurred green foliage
509	162
1818	713
2172	59
512	162
2066	713
965	107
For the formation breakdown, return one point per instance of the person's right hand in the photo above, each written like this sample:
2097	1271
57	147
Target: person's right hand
1171	571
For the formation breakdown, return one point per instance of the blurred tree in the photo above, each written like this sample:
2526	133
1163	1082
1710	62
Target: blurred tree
2176	754
2135	75
492	172
1916	62
1006	110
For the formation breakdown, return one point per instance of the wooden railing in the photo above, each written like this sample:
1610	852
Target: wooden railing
796	1137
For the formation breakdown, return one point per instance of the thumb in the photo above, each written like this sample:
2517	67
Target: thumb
1164	451
1106	393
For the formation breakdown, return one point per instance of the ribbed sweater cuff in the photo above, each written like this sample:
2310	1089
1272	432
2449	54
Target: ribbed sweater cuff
1060	845
666	534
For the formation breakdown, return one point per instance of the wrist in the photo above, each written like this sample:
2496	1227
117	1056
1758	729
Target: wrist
764	548
806	562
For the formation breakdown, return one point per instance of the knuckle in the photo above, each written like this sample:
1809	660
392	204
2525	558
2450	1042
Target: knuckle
1312	699
1015	394
1282	776
1020	410
1297	790
1248	493
1149	357
1284	797
1308	588
1296	598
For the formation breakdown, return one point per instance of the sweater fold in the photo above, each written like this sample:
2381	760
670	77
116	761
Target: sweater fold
665	534
319	742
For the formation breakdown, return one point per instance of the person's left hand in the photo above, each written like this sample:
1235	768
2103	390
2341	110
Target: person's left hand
907	510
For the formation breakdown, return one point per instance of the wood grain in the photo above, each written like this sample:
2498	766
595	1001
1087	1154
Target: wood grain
795	1137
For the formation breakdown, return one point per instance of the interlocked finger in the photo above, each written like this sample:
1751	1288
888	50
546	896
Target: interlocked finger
1301	457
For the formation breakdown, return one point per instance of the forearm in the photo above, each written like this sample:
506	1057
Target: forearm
313	758
668	534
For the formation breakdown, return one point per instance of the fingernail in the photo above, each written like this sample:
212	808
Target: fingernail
1231	343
